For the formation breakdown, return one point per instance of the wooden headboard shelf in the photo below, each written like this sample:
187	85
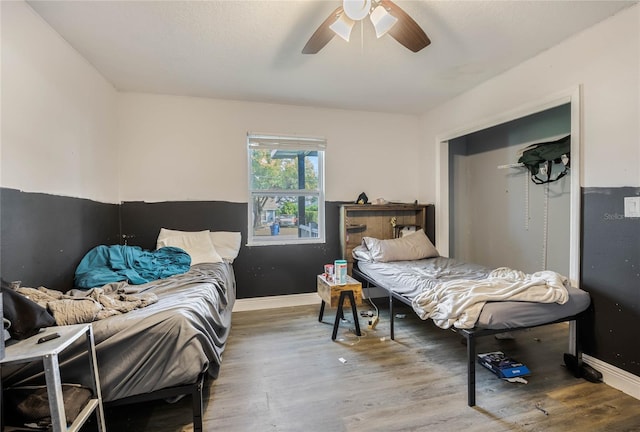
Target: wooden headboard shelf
369	220
356	227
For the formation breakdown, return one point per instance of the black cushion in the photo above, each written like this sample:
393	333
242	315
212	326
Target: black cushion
26	316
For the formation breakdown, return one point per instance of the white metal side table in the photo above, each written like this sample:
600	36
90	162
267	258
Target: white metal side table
29	350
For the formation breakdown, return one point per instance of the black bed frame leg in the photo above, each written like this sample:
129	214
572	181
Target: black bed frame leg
196	399
577	368
391	317
471	370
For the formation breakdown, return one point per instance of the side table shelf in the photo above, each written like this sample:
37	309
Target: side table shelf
29	350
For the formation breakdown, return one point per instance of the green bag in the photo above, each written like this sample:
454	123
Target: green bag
540	159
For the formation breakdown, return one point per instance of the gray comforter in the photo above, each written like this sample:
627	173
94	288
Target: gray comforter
168	343
413	279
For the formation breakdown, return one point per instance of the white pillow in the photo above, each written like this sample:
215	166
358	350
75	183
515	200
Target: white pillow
227	243
410	247
361	253
196	243
164	233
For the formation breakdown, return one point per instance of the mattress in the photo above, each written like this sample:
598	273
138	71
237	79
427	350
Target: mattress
409	278
168	343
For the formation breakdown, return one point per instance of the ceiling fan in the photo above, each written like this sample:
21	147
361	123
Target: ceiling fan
385	15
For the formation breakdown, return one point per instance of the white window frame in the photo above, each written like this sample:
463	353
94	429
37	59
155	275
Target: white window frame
258	141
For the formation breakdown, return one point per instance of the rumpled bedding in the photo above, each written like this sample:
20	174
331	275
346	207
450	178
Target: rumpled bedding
106	264
459	302
165	344
92	305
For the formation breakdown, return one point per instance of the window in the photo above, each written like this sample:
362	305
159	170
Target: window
286	188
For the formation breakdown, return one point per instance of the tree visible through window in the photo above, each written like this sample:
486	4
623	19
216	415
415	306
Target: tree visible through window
286	187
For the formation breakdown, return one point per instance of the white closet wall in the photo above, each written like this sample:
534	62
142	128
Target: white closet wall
499	216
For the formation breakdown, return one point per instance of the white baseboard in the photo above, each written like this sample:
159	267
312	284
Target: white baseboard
615	377
272	302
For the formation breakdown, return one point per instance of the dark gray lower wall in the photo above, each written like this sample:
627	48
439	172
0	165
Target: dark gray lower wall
260	270
44	237
610	272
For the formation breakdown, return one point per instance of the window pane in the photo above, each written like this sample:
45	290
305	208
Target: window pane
284	169
286	189
285	217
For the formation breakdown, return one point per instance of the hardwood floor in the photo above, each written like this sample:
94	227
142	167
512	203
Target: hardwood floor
281	372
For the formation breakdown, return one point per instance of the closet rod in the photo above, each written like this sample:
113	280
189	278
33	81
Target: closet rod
513	165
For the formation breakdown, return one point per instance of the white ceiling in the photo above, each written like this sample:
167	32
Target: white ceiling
251	50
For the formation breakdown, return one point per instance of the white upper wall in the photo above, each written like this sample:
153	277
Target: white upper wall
58	113
63	124
605	60
180	148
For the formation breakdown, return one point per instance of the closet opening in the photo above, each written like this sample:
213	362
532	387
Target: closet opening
490	212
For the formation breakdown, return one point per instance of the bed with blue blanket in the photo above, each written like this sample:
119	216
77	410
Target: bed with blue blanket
165	349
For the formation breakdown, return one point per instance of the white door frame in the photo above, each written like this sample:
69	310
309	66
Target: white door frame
571	96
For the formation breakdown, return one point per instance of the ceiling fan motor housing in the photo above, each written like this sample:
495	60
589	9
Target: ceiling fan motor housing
356	9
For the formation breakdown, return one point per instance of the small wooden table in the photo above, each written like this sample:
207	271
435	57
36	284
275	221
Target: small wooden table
335	295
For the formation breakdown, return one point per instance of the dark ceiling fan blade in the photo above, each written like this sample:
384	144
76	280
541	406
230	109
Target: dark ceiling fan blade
406	30
323	34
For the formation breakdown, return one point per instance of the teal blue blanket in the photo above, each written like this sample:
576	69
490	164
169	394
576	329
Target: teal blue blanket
106	264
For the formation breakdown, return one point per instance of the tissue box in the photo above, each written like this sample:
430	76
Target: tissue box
501	365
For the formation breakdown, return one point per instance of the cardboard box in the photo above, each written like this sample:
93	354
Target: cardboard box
503	366
330	291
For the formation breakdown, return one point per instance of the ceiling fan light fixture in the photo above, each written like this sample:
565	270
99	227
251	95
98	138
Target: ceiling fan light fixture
382	21
343	26
356	9
386	17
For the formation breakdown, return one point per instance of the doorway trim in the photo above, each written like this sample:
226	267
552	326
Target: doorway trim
571	96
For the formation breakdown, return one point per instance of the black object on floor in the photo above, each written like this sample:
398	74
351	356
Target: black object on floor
581	370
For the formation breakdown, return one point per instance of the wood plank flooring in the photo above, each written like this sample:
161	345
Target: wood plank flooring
281	372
